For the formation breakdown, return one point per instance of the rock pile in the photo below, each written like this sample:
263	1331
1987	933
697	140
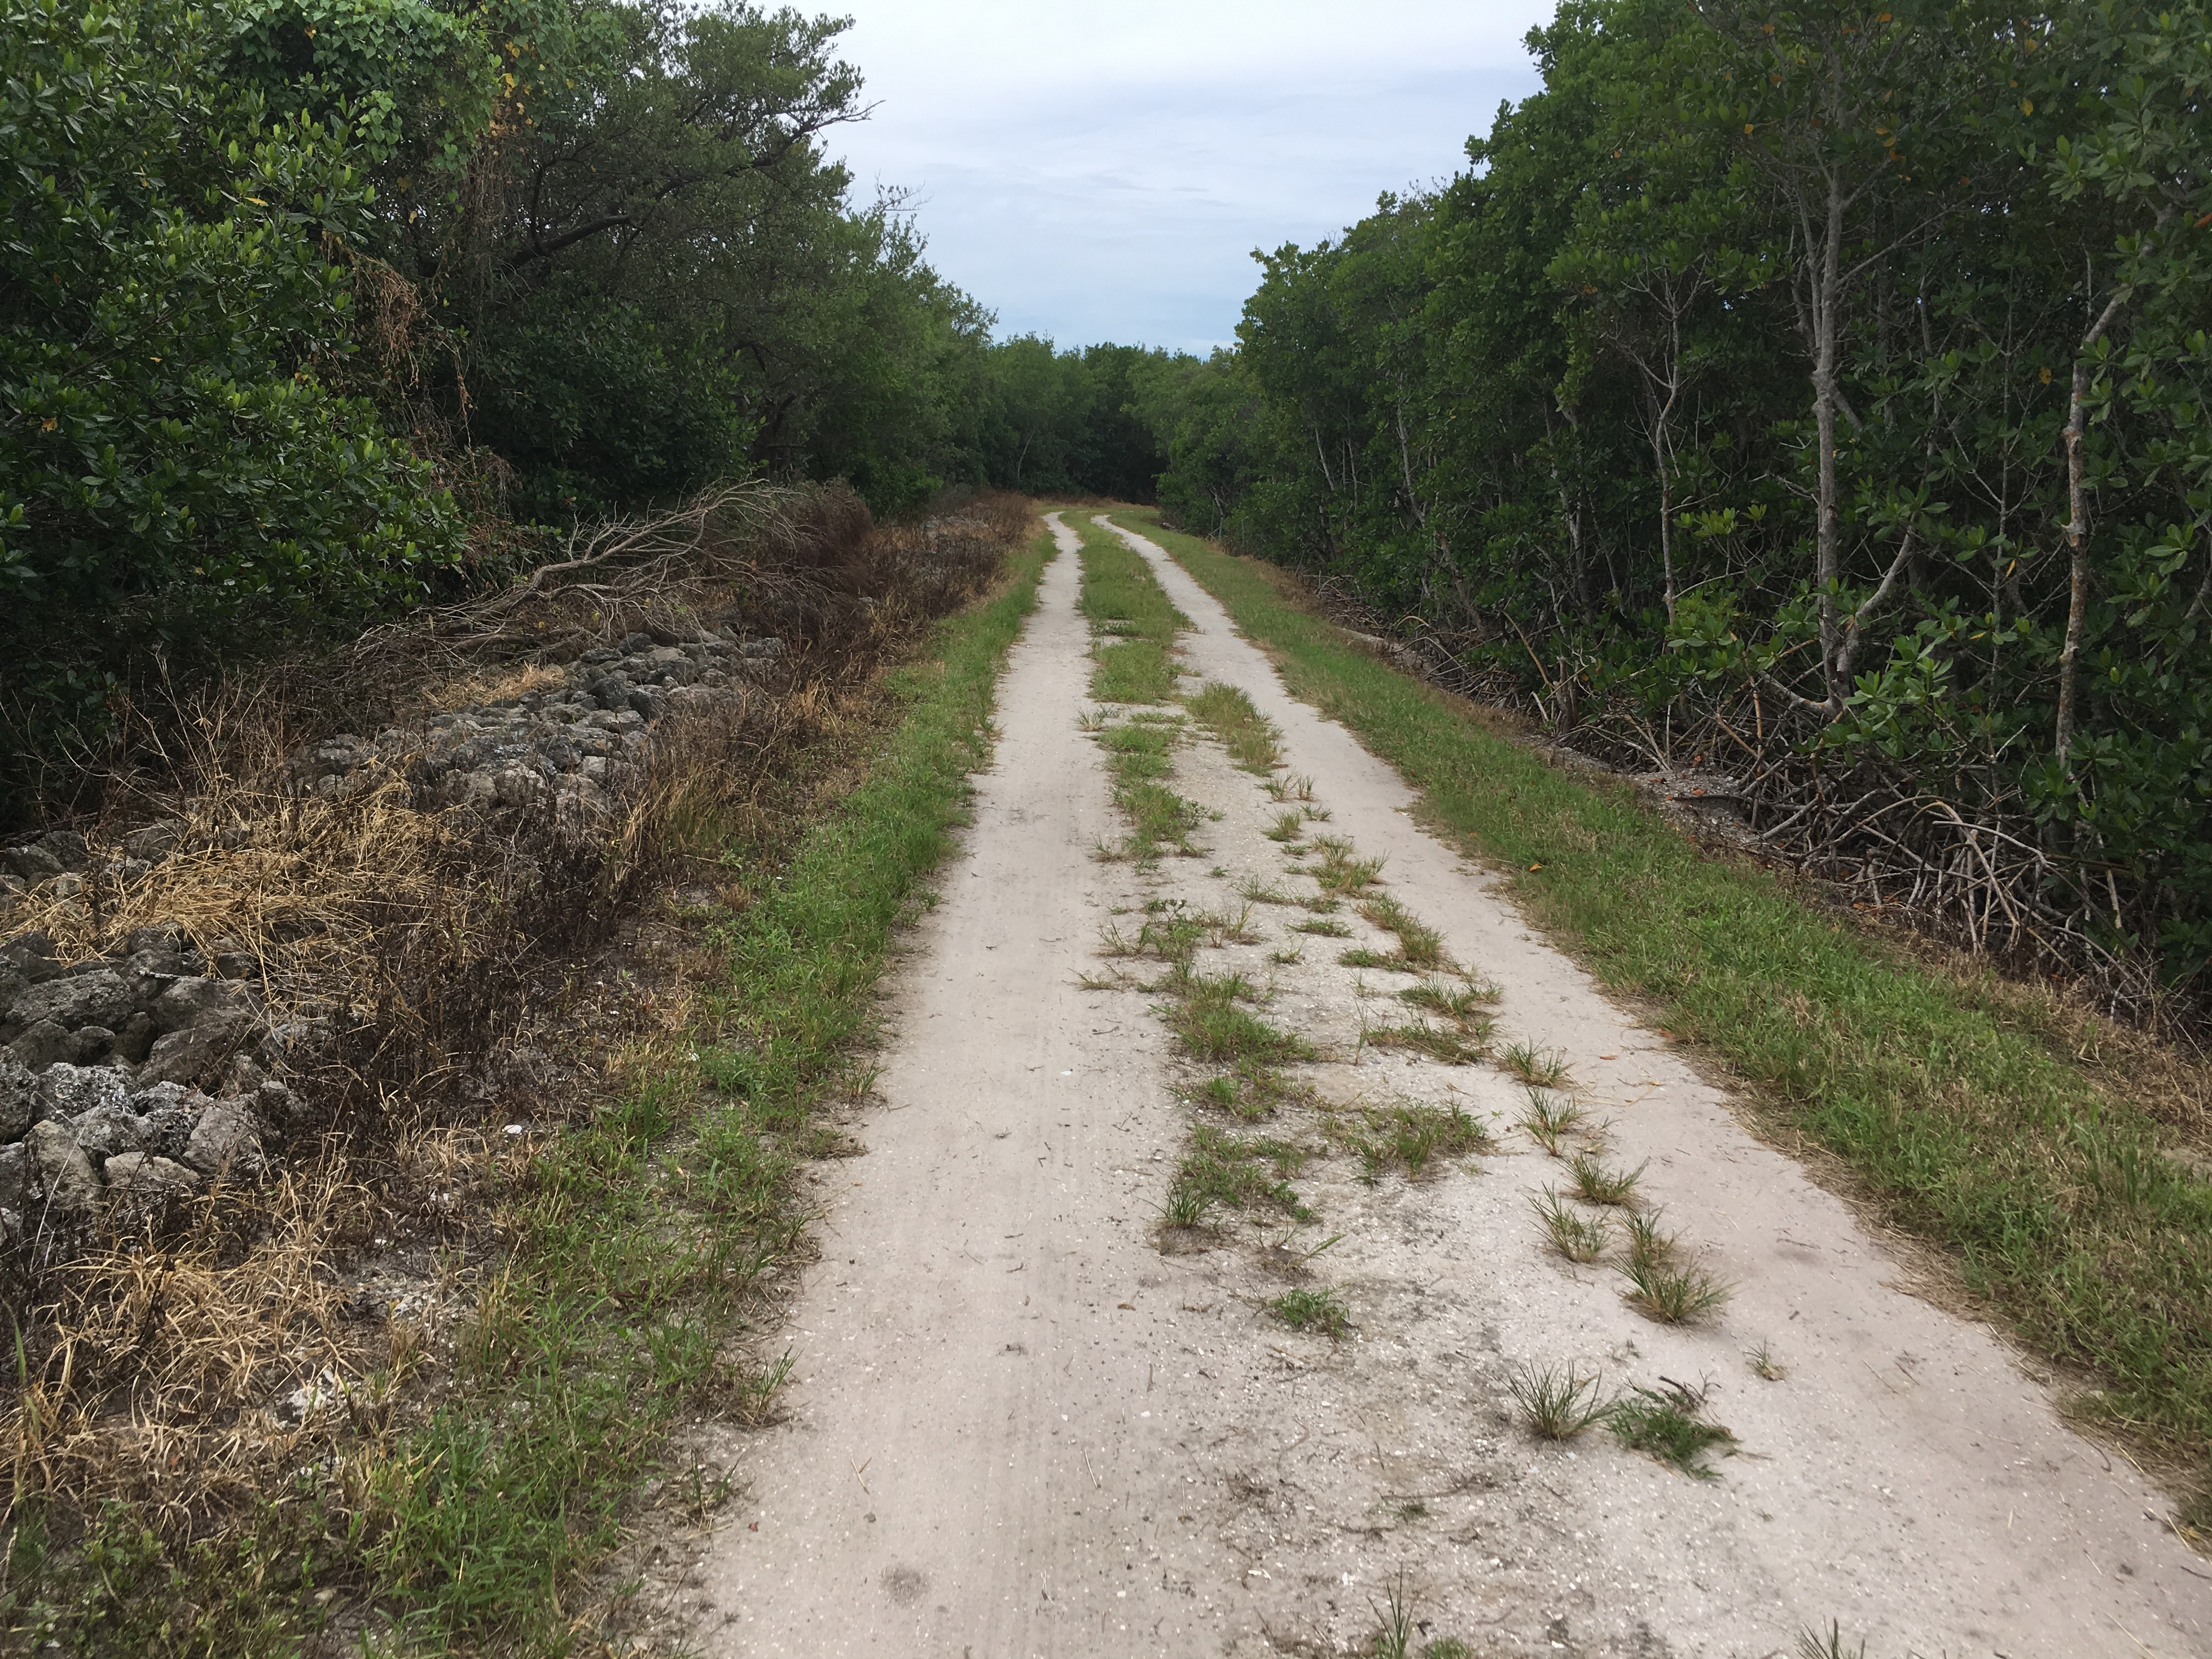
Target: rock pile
569	747
145	1074
105	1074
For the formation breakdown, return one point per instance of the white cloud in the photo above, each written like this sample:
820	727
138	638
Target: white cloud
1095	171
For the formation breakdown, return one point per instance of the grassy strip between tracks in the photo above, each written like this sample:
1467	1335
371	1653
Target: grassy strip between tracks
638	1244
2050	1192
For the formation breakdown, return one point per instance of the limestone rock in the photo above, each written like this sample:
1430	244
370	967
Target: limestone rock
226	1141
107	1132
19	1097
101	997
72	1090
198	1000
148	1180
195	1055
43	1045
60	1169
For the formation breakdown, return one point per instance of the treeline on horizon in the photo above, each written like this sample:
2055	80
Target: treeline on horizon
314	310
1817	392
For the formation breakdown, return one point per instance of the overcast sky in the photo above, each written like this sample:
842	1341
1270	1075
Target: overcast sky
1102	172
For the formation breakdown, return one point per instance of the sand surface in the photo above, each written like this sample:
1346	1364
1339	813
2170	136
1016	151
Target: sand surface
1027	1422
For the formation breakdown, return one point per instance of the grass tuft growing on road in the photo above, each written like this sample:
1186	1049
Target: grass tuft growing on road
1132	616
2053	1196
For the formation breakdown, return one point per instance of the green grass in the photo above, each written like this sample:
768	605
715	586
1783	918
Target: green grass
1224	1171
1139	757
1458	1045
1410	1137
1556	1402
1134	621
1669	1426
1312	1311
1973	1132
1573	1235
1215	1027
1249	736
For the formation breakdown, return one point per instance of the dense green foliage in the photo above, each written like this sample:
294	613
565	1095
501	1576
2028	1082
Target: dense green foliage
175	456
311	309
1820	387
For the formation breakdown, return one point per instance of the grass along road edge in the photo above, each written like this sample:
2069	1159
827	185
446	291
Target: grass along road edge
636	1287
2051	1194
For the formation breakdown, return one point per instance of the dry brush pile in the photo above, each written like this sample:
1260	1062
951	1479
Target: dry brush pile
393	933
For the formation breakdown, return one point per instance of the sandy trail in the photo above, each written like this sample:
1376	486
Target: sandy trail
1021	1429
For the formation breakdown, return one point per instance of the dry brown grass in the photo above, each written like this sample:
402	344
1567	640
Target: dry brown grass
161	1371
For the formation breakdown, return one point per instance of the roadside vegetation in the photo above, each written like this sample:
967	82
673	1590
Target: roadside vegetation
314	314
1807	403
464	1478
1965	1118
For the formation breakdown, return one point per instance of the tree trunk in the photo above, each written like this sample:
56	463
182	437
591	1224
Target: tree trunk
1827	535
2077	527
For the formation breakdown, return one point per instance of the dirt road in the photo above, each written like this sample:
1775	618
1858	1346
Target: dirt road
1020	1426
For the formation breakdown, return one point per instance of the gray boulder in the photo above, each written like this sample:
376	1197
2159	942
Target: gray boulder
194	1055
106	1132
45	1044
32	956
166	1116
155	842
226	1141
167	937
15	1175
33	864
197	1000
69	850
144	1180
60	1169
135	1041
72	1001
19	1097
89	1045
72	1090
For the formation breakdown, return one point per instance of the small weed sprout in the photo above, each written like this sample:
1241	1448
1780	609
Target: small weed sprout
1539	1068
1574	1236
1325	927
1286	828
1286	958
1312	1311
1255	890
1673	1295
1763	1363
1394	1640
1596	1184
1812	1644
1447	1647
1291	789
1558	1404
1548	1118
